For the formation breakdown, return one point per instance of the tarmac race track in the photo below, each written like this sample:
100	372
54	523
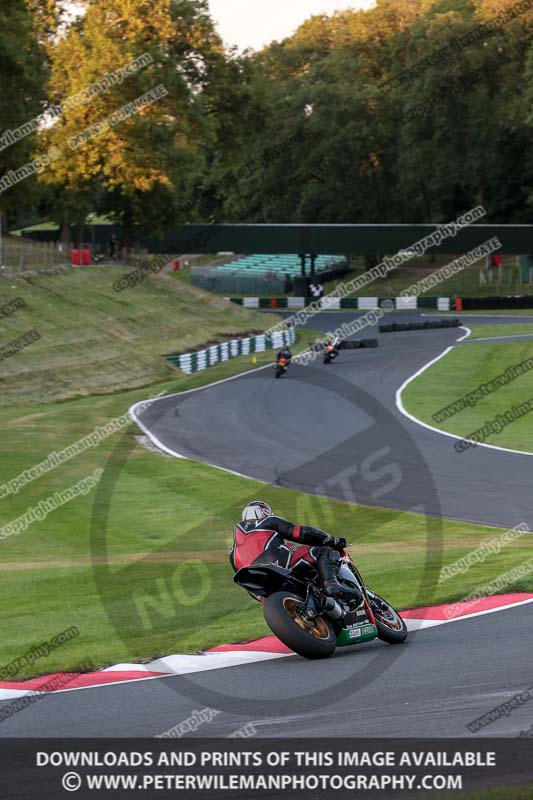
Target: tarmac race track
335	431
424	688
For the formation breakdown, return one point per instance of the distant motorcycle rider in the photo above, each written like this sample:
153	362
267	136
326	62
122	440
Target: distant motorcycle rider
285	353
259	538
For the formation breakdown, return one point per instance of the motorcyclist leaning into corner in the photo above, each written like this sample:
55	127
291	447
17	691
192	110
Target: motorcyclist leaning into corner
259	538
285	353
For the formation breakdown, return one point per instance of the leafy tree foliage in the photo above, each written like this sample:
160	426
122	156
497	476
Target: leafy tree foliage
23	71
327	125
140	169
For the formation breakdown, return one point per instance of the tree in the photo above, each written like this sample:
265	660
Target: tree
135	168
23	71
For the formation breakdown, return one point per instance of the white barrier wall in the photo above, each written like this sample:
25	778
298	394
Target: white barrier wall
367	303
406	303
201	359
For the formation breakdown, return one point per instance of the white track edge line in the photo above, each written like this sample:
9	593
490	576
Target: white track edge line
512	604
272	656
36	692
132	412
517	337
401	408
467	334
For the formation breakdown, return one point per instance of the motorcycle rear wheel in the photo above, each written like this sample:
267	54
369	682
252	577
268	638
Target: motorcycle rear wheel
316	640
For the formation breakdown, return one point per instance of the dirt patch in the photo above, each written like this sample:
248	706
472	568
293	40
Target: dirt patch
147	443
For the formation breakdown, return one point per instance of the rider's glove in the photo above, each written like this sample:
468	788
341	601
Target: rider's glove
337	542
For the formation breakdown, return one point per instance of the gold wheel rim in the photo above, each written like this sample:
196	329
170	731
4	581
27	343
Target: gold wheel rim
321	629
390	623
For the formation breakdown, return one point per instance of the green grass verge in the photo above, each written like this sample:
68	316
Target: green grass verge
494	331
461	372
95	340
463	284
168	586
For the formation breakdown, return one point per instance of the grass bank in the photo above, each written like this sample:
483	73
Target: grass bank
95	340
140	566
448	382
495	331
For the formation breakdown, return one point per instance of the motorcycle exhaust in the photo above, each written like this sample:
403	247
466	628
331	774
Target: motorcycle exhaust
331	607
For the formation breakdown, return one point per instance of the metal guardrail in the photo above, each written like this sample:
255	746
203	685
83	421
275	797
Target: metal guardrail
201	359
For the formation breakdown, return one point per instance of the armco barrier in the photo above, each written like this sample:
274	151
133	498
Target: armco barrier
201	359
393	327
328	303
400	303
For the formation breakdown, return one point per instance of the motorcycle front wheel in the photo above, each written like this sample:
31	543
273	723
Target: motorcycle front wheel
310	640
391	627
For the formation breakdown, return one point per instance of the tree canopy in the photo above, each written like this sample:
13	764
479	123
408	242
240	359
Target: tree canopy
412	111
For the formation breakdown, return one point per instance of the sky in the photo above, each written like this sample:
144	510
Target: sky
254	23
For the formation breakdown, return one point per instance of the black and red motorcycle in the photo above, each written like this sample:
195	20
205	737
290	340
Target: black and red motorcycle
282	366
330	354
311	623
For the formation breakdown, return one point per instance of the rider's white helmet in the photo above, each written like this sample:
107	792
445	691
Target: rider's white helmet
256	511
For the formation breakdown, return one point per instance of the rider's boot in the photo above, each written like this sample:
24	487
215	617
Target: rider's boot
328	568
